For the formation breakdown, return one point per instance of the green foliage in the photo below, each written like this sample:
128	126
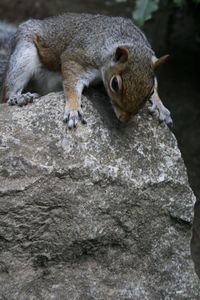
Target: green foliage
144	9
180	3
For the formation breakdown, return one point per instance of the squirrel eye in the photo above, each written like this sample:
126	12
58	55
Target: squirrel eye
116	83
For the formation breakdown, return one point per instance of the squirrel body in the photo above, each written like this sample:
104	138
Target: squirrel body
76	49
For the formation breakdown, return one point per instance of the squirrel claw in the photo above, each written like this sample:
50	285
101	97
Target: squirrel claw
162	112
73	117
81	117
22	99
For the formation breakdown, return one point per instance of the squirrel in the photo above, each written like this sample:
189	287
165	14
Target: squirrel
73	50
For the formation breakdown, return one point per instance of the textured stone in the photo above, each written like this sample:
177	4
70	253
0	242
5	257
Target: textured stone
101	212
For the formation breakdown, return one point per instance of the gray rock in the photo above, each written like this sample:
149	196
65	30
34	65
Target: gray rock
101	212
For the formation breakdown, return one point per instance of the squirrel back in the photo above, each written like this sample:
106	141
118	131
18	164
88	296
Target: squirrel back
95	35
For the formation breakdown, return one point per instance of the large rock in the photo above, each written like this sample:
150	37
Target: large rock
101	212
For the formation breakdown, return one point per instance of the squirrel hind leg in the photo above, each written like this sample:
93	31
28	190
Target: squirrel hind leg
24	63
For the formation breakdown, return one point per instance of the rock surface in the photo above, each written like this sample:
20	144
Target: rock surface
101	212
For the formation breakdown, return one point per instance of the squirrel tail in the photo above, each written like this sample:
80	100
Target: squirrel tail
7	32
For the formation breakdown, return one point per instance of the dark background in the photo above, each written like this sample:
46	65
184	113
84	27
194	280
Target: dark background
171	30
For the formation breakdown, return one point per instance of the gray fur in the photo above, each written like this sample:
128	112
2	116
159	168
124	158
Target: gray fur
96	36
7	32
23	64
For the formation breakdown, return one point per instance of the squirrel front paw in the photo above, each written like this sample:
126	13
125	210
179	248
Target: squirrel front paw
73	117
162	112
23	99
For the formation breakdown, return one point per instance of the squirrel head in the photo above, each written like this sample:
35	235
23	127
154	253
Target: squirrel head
129	81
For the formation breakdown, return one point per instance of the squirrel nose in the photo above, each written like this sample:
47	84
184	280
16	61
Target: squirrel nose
122	116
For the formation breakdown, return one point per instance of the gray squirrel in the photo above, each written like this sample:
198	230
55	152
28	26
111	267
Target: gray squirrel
73	50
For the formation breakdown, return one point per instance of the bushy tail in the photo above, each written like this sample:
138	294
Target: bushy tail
7	32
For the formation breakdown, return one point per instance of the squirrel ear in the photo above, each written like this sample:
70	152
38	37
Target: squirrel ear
159	61
121	55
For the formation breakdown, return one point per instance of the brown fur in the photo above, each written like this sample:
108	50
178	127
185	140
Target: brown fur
137	86
48	57
71	71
